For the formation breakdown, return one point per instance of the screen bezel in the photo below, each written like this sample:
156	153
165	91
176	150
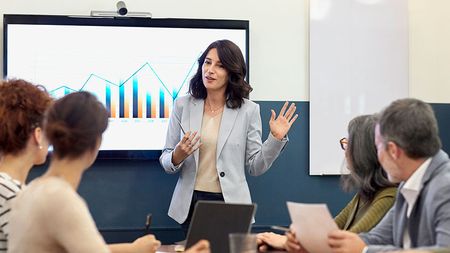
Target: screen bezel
10	19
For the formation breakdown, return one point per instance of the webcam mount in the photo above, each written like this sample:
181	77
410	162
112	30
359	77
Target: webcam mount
121	11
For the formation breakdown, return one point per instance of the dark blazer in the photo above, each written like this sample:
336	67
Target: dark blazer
429	222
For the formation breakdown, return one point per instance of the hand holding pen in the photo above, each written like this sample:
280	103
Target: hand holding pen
188	145
279	228
145	243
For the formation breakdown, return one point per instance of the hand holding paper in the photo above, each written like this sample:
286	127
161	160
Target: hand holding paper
312	223
345	241
292	245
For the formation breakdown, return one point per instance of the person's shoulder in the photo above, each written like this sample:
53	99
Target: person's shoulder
185	99
440	165
248	102
50	190
354	199
248	105
8	185
8	188
386	193
440	180
436	185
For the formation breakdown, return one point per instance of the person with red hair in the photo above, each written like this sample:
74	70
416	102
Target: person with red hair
22	141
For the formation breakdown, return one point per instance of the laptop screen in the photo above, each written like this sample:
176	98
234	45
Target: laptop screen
214	221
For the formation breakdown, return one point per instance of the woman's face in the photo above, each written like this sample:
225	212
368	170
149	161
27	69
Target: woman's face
214	75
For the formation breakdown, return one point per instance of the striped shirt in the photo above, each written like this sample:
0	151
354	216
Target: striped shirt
8	190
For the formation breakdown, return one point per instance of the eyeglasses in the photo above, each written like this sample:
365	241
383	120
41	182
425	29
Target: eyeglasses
344	143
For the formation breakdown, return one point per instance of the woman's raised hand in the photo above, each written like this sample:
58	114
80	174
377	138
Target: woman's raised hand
280	125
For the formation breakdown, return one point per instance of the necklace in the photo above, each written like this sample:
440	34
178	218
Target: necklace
211	109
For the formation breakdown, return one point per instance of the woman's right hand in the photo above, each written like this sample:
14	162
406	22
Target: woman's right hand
147	244
188	144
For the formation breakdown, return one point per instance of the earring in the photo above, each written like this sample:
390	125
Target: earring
40	147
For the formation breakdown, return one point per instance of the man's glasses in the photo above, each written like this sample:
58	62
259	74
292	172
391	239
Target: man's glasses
344	143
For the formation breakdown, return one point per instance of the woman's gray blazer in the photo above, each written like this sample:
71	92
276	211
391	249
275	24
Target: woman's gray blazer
239	147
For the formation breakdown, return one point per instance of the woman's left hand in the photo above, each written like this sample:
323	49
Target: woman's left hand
279	126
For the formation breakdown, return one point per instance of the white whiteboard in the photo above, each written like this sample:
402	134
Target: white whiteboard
358	65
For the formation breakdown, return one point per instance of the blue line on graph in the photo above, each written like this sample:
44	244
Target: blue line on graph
185	78
131	76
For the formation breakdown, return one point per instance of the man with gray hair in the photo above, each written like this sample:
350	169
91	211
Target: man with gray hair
409	150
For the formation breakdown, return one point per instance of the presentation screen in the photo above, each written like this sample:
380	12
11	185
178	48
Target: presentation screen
136	67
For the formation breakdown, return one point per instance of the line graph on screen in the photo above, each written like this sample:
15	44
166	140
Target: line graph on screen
143	94
136	68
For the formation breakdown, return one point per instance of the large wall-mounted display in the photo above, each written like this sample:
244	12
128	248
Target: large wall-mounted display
136	66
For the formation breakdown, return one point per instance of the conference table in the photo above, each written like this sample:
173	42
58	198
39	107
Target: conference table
171	249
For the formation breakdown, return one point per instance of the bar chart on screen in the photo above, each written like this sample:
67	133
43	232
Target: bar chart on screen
142	94
134	67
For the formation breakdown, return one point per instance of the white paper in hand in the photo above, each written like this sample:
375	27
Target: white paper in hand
312	223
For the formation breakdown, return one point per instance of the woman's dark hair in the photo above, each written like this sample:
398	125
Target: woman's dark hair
74	124
233	61
367	176
22	109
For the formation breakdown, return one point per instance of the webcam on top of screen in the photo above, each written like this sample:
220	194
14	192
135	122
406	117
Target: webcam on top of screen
122	11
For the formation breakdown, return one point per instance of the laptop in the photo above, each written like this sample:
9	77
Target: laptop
214	220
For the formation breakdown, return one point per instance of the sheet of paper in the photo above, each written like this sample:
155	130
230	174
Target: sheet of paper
312	223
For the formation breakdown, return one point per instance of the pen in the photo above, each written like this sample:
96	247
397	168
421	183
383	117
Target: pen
179	123
284	229
148	222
